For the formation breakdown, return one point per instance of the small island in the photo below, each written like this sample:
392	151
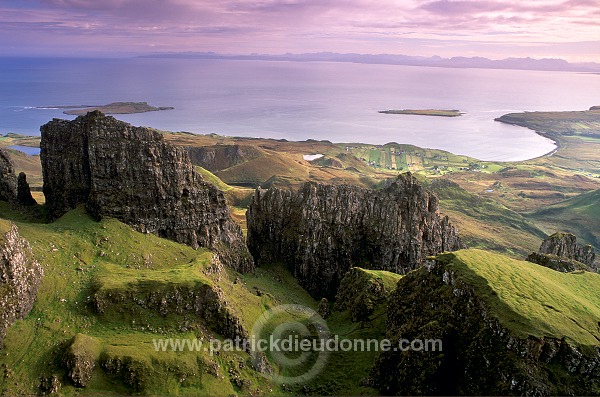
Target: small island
426	112
111	108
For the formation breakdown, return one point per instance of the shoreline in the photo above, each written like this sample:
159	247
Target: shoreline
549	135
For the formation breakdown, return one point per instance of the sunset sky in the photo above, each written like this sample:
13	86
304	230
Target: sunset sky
495	29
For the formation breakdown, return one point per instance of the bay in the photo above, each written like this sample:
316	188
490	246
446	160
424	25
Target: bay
338	102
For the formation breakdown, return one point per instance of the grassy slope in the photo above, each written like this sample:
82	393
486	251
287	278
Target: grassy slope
389	279
346	371
485	223
579	215
77	253
531	299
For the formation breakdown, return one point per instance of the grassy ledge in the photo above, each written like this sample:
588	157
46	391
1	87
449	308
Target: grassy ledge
533	300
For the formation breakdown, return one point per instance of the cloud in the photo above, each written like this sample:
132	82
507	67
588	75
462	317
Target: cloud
294	25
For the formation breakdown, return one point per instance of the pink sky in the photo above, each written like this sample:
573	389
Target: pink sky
495	29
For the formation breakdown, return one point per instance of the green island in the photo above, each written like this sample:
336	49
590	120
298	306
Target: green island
426	112
111	108
109	291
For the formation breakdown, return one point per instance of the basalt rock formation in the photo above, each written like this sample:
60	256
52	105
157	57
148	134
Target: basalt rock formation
471	352
20	277
8	178
565	244
24	196
561	252
131	174
321	231
80	359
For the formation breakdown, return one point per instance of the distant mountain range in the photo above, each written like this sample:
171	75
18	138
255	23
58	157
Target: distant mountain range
391	59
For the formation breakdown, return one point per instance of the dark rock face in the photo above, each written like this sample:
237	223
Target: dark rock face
479	356
558	263
24	196
20	277
561	252
322	231
131	174
219	157
8	179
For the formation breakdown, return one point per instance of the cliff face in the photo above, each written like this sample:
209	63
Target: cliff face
20	277
131	174
8	178
478	355
322	231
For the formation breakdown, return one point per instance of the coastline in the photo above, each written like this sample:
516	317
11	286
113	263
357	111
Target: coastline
550	135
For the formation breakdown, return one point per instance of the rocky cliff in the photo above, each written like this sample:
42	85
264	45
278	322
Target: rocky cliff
478	353
130	173
20	277
8	178
561	252
24	196
565	244
321	231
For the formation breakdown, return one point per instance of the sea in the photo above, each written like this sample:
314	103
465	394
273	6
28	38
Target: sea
338	102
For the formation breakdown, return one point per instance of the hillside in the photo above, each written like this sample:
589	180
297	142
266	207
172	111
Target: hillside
485	223
83	261
579	215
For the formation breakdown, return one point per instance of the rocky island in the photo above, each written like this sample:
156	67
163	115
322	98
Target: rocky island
111	108
425	112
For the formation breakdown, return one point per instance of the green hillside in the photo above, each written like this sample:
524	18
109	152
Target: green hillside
82	258
579	215
531	299
484	223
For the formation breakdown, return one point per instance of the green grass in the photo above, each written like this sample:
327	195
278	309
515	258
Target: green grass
80	255
533	300
389	279
346	371
580	215
212	179
485	223
4	227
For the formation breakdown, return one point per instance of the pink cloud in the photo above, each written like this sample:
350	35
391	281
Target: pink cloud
295	25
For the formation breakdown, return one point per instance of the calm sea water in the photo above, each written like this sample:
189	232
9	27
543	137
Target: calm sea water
297	101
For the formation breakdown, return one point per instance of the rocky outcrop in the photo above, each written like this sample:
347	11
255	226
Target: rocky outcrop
558	263
8	178
80	359
20	277
321	231
204	302
132	174
219	157
24	196
565	244
360	292
561	252
476	354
